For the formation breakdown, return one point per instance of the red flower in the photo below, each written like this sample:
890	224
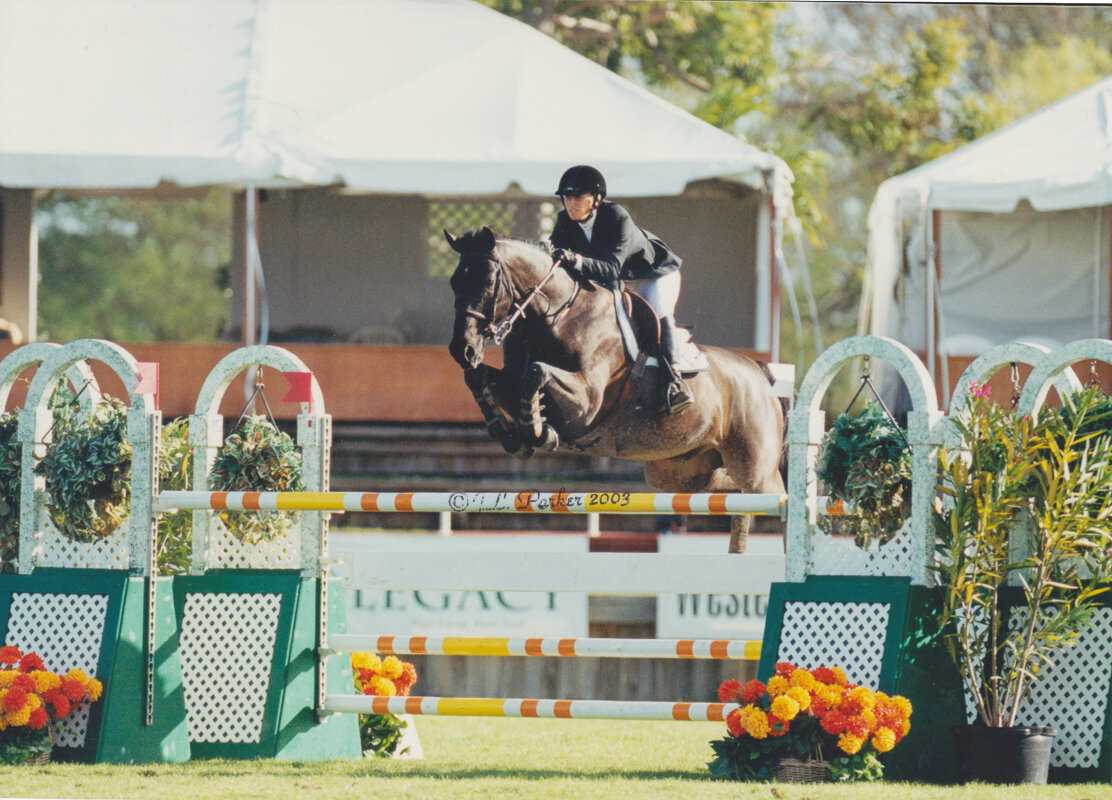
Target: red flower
403	688
15	699
824	675
61	705
817	707
72	689
733	722
857	726
409	672
727	692
24	682
49	695
834	722
785	668
10	654
32	661
38	719
752	690
777	726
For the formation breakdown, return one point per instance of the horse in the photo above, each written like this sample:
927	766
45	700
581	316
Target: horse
566	380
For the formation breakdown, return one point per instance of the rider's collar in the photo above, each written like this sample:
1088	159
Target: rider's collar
589	226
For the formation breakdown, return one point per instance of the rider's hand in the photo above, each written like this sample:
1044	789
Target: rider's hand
566	257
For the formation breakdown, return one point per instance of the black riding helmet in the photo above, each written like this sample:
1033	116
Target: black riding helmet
581	179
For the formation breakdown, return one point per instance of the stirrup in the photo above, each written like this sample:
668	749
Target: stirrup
678	396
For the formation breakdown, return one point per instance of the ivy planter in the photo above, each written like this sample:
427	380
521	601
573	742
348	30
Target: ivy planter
1003	755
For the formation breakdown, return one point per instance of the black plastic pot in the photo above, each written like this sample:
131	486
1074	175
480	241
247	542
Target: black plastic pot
1003	755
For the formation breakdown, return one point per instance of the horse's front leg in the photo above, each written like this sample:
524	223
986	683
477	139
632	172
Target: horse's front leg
569	391
483	381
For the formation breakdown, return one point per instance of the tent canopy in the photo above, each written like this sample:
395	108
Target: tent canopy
1022	237
392	96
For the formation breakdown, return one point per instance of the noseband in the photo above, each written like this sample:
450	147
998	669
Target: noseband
498	330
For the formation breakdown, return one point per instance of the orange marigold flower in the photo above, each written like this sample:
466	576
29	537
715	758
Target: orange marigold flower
733	722
784	668
61	705
21	717
10	654
785	707
849	744
884	739
839	676
833	722
777	685
73	689
756	725
23	681
37	719
777	726
801	696
752	690
382	686
817	708
857	727
391	667
15	699
803	679
31	662
94	689
823	674
409	672
728	690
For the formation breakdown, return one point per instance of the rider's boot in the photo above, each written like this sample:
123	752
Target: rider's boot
677	394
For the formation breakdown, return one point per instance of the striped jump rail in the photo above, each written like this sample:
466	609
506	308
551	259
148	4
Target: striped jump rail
704	503
557	709
550	646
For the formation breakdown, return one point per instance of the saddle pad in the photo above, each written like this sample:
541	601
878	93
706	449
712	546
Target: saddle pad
625	325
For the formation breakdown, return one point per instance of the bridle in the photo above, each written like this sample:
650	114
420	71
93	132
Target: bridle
497	330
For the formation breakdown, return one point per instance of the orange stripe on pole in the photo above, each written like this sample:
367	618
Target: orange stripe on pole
418	645
404	501
251	500
412	705
566	647
681	712
714	712
559	502
533	647
380	705
529	708
681	504
563	709
719	649
385	644
369	501
219	501
685	648
524	501
717	503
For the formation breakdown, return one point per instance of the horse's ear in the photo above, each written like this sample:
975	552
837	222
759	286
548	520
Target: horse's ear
452	241
484	239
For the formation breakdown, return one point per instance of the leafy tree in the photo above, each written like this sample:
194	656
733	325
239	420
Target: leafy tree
133	269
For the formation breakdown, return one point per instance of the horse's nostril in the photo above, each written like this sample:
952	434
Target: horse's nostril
469	353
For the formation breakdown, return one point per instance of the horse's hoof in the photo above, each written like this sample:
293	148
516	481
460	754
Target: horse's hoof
549	440
523	452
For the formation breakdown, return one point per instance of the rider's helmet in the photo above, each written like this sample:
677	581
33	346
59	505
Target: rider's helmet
581	179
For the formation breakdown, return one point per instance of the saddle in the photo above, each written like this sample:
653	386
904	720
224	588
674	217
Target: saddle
640	329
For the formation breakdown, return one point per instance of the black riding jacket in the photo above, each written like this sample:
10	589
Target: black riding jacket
618	248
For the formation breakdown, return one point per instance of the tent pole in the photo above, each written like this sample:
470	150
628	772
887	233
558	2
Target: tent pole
249	301
1109	275
932	299
774	283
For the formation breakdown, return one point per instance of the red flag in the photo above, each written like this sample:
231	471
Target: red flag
301	388
148	380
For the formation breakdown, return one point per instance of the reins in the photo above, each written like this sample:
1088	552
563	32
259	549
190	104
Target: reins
498	331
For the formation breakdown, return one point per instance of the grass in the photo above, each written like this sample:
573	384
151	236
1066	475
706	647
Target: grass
490	759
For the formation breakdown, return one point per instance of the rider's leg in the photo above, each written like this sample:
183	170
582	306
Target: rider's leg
662	294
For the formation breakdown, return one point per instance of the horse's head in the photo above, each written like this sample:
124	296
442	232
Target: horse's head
483	294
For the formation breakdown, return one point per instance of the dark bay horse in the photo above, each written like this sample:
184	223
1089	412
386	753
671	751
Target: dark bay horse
566	380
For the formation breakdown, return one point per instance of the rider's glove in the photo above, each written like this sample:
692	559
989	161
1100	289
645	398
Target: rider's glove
566	257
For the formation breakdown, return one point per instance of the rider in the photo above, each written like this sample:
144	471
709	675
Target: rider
598	239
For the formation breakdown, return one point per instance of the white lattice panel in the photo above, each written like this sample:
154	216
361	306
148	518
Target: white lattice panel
227	647
67	631
846	635
225	551
55	549
838	555
1072	695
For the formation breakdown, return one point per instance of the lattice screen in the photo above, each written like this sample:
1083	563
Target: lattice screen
225	551
67	631
847	635
838	555
520	218
227	648
55	549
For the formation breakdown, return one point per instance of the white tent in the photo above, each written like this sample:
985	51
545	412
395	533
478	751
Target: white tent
1003	239
429	98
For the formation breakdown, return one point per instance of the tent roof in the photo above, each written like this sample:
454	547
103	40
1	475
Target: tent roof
1056	158
407	96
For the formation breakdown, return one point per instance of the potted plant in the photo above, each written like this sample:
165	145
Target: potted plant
257	457
384	735
807	726
1025	502
866	462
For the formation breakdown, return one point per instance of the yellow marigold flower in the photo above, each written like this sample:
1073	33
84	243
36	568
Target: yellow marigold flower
45	681
94	689
34	701
884	739
870	717
830	695
902	704
383	687
803	679
905	727
365	661
3	722
863	697
6	677
391	667
78	675
849	744
801	696
785	707
839	675
777	685
757	726
21	717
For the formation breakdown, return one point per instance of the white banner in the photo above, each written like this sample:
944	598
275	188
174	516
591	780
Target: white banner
458	613
714	616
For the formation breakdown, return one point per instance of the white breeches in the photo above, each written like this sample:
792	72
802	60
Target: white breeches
661	293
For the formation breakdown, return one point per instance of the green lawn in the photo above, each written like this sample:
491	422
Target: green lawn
489	758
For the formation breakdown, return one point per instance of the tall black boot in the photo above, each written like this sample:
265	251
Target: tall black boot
677	394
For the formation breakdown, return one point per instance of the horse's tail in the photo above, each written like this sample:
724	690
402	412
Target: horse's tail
785	407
